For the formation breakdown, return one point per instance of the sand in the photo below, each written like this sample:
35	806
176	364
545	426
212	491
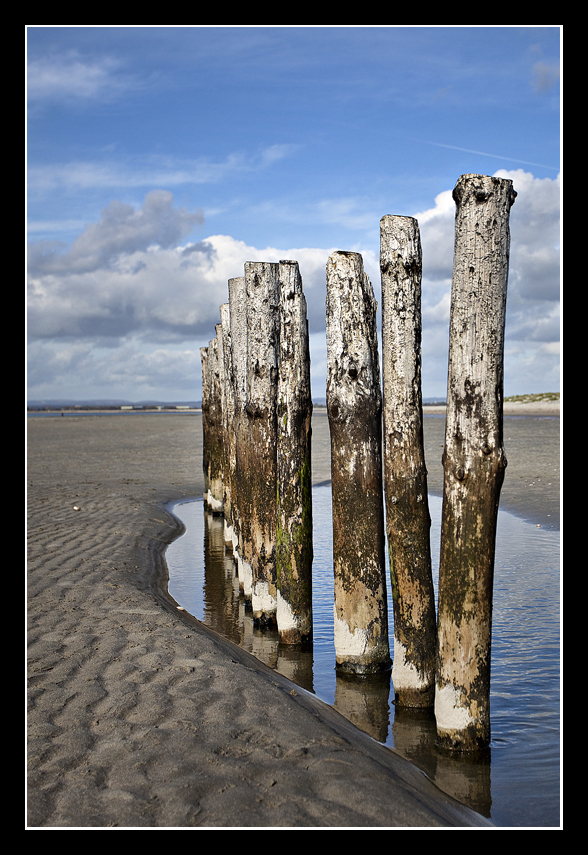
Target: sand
515	408
138	715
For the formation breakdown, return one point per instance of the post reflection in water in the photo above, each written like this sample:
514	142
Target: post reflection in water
226	611
516	781
365	701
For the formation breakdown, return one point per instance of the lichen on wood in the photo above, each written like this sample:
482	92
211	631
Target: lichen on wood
263	298
408	520
294	549
473	459
354	407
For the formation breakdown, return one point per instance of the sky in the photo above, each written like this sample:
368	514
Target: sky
161	159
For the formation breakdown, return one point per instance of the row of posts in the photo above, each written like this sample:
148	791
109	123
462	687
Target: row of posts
257	410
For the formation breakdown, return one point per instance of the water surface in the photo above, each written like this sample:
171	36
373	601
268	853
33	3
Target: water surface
516	783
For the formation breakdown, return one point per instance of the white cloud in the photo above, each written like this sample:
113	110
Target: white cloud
136	325
68	76
130	371
159	293
120	231
436	226
533	302
126	275
126	300
534	272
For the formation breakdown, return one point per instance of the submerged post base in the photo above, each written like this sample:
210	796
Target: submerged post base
294	636
414	687
414	698
264	621
362	668
461	726
294	626
469	742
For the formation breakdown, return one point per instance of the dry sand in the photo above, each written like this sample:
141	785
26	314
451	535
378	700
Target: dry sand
141	717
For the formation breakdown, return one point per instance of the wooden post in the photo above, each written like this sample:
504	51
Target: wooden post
261	280
473	460
229	459
241	537
354	409
215	493
205	411
294	550
405	476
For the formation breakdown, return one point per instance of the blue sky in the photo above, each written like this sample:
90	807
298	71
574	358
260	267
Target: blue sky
160	159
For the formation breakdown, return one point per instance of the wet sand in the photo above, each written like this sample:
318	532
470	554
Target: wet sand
141	717
531	488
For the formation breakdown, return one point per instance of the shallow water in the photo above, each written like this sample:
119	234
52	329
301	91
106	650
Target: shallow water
517	782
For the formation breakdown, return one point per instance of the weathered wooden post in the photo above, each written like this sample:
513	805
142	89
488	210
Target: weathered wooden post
229	460
294	550
354	409
405	476
215	494
263	299
241	538
473	460
205	411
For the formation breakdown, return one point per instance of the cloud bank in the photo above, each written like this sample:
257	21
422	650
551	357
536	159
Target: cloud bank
123	311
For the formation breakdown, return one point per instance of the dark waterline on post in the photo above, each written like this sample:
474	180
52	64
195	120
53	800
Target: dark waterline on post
516	783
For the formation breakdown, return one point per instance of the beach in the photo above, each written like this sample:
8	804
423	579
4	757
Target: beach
138	715
531	488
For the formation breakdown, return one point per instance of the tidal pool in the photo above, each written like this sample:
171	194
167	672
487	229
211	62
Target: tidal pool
517	782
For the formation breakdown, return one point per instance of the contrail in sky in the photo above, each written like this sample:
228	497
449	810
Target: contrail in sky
486	154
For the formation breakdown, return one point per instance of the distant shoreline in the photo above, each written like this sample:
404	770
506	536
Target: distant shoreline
510	408
527	405
109	411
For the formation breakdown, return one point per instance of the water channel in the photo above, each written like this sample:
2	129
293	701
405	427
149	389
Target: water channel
517	782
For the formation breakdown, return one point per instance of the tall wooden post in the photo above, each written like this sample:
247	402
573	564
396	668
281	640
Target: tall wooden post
261	280
238	321
405	476
215	494
229	458
473	459
205	411
354	409
294	550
